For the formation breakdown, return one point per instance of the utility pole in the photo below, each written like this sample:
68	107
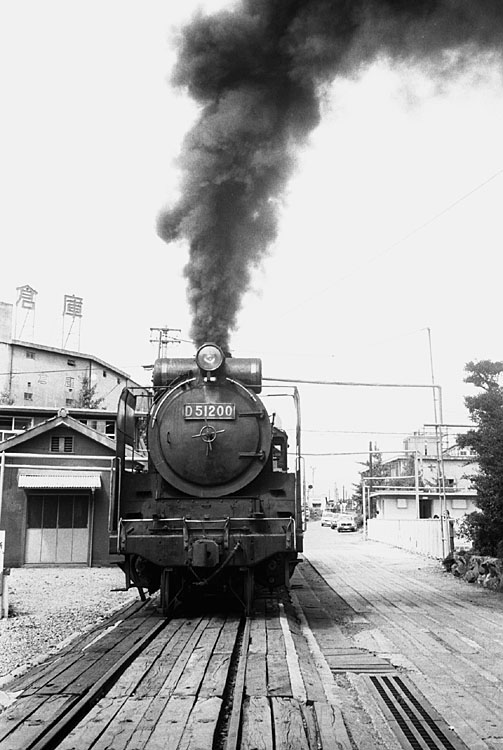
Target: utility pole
437	410
371	473
164	336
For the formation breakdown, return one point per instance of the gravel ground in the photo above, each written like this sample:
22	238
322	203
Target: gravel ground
49	606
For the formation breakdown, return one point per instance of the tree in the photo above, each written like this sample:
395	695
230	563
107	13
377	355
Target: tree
409	468
6	398
380	472
86	398
485	526
374	468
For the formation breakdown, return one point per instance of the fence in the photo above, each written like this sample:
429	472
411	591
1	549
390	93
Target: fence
4	598
423	536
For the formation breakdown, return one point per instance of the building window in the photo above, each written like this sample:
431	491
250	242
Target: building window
70	362
28	396
69	402
69	382
30	354
110	429
11	426
22	423
58	511
6	430
459	503
7	435
61	444
92	423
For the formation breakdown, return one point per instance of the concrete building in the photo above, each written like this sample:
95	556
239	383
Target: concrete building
408	504
421	494
32	374
457	464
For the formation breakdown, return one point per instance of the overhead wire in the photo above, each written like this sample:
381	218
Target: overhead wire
389	248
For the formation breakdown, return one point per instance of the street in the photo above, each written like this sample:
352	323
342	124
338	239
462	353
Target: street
443	634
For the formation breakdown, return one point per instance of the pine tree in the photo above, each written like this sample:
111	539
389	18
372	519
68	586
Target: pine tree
485	526
87	398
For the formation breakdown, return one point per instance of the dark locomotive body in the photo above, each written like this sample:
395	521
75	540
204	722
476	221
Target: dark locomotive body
214	508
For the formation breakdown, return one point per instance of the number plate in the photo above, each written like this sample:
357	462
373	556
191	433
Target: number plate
209	411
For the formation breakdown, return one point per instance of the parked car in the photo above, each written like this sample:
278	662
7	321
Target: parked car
346	524
328	518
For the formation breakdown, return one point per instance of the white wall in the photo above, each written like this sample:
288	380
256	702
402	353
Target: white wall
423	536
389	507
404	507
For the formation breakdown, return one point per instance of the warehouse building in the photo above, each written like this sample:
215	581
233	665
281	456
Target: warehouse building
35	375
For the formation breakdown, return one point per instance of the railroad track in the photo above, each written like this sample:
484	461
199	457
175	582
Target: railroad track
217	682
220	682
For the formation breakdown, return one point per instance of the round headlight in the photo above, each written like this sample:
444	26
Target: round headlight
209	357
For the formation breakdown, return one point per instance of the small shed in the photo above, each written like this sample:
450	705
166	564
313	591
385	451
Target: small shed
55	489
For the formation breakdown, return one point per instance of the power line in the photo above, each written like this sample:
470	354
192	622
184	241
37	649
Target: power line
45	372
393	245
68	370
355	432
349	383
397	453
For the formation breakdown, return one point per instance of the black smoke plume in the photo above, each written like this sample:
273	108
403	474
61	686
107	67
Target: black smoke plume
257	72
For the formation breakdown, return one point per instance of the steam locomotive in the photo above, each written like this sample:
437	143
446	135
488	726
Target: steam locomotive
211	505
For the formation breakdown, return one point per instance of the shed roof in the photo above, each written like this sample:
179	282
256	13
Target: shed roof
65	420
48	479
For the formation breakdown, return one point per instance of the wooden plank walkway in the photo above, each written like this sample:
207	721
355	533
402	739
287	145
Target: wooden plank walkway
445	634
286	706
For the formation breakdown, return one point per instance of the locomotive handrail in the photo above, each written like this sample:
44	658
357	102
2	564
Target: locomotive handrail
300	491
157	406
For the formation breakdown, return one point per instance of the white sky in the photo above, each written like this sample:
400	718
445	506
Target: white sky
392	223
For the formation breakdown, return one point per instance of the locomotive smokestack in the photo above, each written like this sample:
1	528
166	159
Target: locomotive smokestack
257	72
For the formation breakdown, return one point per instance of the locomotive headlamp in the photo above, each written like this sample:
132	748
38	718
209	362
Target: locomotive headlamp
209	357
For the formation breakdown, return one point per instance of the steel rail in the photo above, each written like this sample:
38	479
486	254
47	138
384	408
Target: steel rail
234	726
51	736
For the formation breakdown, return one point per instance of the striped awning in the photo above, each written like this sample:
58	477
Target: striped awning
45	479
